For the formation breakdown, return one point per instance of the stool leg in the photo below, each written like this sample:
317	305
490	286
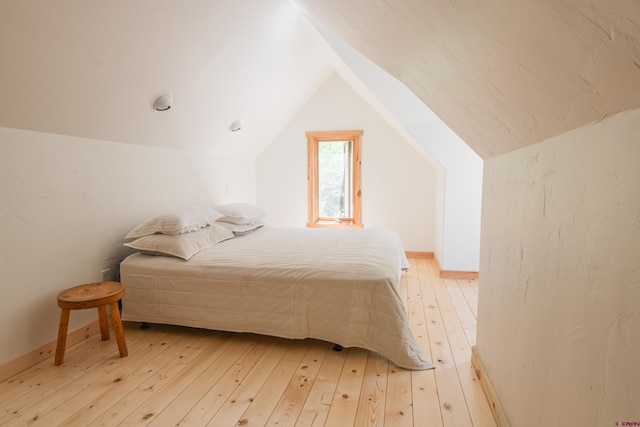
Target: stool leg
62	336
104	322
117	326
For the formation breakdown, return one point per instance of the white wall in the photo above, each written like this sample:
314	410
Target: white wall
458	167
461	198
559	303
398	184
66	203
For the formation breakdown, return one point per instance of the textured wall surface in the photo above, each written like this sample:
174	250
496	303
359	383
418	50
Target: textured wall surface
559	303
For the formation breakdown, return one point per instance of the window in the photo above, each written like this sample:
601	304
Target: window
335	194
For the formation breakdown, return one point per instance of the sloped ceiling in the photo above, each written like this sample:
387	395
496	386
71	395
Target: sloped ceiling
93	69
502	74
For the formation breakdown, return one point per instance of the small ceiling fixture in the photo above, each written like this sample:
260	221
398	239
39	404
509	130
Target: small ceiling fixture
236	126
163	102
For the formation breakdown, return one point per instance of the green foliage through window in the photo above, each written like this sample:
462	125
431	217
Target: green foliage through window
335	179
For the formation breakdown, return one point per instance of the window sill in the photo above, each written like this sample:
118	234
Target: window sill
333	224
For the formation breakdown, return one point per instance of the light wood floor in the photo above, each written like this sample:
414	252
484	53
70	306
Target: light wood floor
190	377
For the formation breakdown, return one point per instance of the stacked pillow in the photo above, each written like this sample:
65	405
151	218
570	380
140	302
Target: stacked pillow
186	231
241	218
176	222
181	233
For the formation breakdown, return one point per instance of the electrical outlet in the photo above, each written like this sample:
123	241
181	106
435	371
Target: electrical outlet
105	275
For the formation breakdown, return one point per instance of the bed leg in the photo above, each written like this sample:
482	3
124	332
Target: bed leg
337	347
144	325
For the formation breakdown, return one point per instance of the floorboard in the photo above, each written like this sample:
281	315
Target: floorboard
185	376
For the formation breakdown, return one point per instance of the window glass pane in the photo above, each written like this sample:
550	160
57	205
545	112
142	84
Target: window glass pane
335	178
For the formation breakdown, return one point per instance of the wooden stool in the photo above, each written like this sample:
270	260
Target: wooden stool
92	295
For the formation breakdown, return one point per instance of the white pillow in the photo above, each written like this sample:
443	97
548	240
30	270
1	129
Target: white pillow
240	213
178	221
241	229
183	245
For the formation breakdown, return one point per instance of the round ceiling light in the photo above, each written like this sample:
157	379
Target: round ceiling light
236	126
163	102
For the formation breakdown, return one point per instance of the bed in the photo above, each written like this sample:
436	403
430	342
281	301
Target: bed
336	285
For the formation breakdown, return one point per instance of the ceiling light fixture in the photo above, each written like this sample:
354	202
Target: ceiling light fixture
163	102
236	126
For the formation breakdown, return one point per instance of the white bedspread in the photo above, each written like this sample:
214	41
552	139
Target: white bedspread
337	285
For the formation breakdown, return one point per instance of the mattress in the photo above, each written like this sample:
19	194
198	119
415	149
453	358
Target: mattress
336	285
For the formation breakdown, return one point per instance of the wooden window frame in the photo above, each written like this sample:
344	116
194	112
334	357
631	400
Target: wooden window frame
313	138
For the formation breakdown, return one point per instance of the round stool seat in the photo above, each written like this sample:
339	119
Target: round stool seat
93	295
